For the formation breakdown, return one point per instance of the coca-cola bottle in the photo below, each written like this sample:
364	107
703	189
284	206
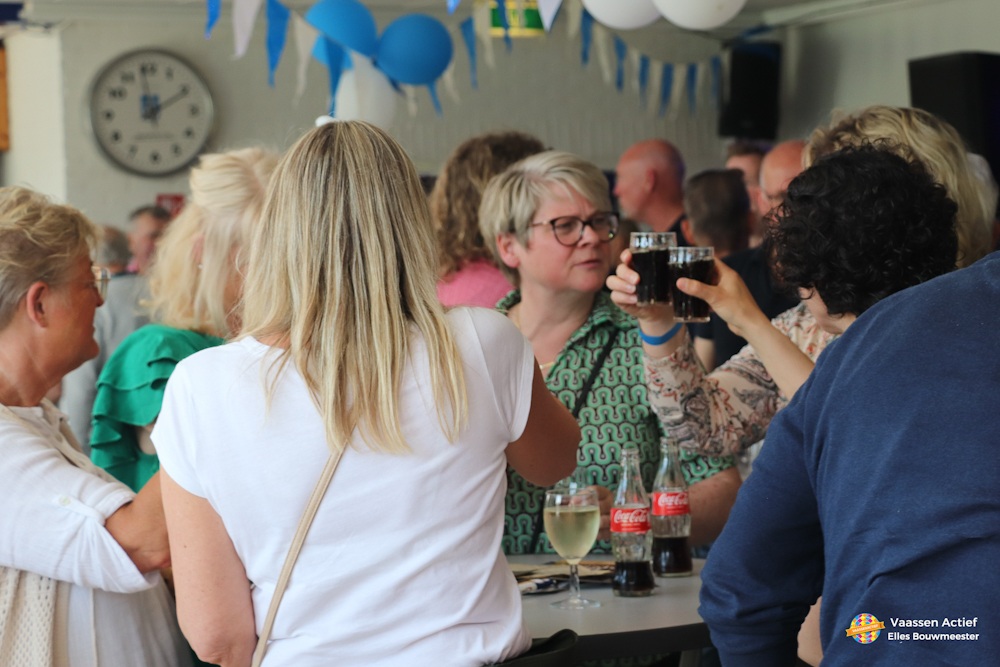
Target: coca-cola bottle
631	537
671	515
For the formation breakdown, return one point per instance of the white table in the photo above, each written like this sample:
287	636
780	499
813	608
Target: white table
665	622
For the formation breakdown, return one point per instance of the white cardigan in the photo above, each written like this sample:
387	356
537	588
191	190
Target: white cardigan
53	505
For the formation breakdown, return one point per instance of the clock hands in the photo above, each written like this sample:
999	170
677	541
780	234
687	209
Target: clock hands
170	100
152	107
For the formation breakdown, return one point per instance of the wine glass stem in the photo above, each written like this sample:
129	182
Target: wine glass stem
574	582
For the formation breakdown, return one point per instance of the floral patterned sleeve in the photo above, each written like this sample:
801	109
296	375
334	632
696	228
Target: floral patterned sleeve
728	410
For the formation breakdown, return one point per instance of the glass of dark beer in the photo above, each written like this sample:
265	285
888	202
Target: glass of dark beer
696	263
651	260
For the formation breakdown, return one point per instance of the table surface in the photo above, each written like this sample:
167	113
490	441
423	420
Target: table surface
665	622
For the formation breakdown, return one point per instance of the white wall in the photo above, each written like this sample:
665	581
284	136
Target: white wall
37	155
862	60
540	87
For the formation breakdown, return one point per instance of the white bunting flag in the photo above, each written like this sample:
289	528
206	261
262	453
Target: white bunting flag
574	14
244	16
411	99
449	83
548	10
305	41
633	59
482	17
653	94
601	43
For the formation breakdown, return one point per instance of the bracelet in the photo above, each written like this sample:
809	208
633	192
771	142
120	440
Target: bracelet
660	340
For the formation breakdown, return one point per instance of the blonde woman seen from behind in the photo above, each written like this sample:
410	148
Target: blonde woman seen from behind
345	348
196	284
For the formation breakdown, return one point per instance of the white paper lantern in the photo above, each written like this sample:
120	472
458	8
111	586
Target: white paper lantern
699	14
365	94
623	14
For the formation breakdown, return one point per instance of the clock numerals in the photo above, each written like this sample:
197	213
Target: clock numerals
117	93
154	157
127	77
168	73
108	114
148	69
194	110
133	150
176	148
189	133
116	136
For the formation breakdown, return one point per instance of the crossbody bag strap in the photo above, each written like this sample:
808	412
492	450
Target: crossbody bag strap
581	400
293	553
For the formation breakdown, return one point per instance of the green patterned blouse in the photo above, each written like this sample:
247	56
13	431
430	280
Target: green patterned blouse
616	412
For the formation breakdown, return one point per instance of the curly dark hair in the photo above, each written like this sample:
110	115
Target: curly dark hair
861	224
456	195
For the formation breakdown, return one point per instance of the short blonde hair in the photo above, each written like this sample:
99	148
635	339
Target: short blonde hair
195	259
39	241
343	267
923	136
511	199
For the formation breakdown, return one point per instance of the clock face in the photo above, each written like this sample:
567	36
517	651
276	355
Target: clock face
150	112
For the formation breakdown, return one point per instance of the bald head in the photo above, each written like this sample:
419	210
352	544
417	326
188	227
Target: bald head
650	180
780	166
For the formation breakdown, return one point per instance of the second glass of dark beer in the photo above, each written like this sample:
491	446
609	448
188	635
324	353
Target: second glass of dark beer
651	260
696	263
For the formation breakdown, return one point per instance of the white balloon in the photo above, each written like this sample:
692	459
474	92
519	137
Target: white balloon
623	14
699	14
365	94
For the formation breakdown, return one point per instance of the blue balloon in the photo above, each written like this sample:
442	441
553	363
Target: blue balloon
415	49
346	22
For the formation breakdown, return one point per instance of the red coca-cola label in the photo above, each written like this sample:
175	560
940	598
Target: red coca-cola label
629	520
671	504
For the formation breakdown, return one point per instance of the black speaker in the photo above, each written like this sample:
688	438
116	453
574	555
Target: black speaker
750	110
963	89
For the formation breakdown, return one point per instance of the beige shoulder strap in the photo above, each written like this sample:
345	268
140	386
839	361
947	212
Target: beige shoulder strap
293	553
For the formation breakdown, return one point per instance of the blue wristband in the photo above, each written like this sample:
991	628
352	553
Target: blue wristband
660	340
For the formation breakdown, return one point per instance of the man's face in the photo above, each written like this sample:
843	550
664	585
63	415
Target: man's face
631	188
773	186
146	231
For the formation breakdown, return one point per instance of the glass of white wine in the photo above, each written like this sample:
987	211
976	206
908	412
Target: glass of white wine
572	518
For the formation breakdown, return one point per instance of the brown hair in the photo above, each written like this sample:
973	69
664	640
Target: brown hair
738	148
717	203
459	190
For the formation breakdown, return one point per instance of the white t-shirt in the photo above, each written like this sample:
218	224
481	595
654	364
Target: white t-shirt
402	565
52	514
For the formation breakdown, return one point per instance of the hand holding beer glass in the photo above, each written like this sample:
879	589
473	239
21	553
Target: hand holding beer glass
572	517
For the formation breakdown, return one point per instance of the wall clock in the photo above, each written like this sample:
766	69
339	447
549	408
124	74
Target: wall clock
150	112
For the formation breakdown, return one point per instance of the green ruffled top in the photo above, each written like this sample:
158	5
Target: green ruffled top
130	393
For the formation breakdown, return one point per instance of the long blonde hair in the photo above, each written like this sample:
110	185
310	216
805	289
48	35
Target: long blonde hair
342	269
938	146
198	255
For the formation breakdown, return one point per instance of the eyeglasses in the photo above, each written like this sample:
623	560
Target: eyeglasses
568	229
101	279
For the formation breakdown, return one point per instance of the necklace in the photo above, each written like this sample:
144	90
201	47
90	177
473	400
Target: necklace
517	323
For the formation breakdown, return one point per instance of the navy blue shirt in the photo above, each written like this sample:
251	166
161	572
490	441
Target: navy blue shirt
879	488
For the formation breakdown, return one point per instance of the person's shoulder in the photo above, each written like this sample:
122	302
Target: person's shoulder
159	338
741	260
484	321
207	364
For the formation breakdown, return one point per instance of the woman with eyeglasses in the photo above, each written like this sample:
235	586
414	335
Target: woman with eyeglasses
547	220
79	551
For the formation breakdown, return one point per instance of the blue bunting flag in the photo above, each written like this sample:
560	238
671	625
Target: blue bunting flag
644	80
666	87
277	29
586	35
214	8
469	37
692	86
620	52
